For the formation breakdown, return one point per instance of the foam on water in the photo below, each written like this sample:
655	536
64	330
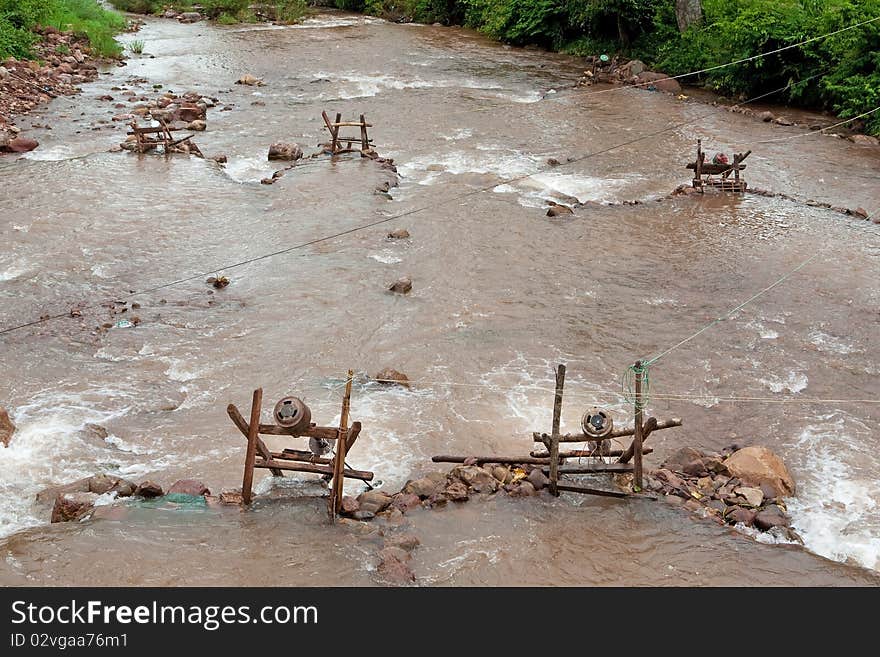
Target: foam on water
39	454
352	85
12	273
838	494
248	169
386	258
831	344
795	382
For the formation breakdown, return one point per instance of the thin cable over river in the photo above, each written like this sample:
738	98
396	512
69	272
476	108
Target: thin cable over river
501	293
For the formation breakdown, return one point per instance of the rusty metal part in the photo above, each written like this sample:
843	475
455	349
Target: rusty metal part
293	413
597	423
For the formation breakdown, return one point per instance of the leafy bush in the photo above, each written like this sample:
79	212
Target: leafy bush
289	11
138	6
84	17
232	8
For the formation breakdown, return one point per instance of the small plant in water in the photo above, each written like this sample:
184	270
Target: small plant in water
137	47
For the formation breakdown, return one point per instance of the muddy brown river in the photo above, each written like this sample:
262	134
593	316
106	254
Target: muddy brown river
501	294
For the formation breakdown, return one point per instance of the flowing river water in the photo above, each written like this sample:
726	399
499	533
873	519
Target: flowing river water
501	294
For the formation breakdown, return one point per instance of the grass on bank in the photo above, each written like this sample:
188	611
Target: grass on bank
225	12
83	17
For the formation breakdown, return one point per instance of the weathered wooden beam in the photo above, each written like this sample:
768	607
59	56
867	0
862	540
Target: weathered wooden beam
617	433
649	427
301	456
590	491
364	475
603	493
250	456
243	426
353	434
594	468
335	502
491	459
639	426
585	453
553	447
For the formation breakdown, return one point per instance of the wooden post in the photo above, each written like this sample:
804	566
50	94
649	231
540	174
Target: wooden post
253	429
639	430
554	436
336	144
365	141
335	503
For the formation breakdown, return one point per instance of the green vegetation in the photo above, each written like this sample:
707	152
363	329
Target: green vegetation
849	63
225	12
290	11
136	47
84	17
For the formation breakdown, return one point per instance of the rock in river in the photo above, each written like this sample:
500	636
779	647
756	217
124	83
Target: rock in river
7	427
758	465
282	151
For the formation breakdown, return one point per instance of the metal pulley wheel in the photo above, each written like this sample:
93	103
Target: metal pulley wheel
597	423
319	446
293	413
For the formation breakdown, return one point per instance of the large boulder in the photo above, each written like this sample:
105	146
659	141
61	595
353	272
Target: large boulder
692	462
758	465
192	487
21	145
864	140
660	81
392	377
632	68
283	151
475	477
7	427
423	488
373	501
771	516
98	484
73	506
148	489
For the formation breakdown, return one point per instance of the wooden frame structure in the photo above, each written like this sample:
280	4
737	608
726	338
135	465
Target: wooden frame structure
724	181
150	137
337	140
258	455
553	461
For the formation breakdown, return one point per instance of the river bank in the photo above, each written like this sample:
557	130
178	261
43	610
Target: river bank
468	327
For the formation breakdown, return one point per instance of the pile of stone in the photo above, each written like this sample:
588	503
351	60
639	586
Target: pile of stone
77	500
61	62
433	490
744	487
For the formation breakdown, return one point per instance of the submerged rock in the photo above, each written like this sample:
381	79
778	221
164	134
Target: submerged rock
250	81
399	234
373	501
192	487
392	377
7	427
393	567
73	506
148	489
284	151
402	285
21	145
